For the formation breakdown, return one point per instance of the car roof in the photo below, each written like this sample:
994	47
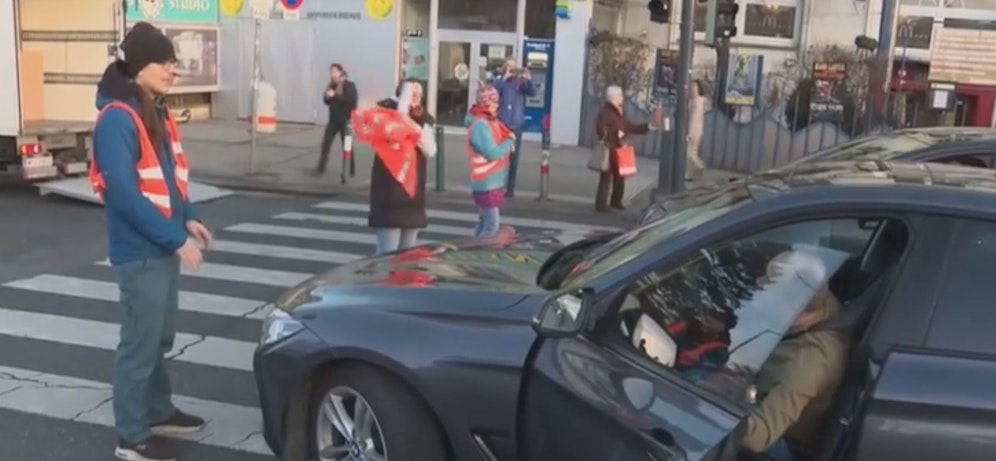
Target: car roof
951	133
930	185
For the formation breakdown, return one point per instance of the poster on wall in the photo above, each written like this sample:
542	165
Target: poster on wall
665	91
175	11
828	82
743	80
196	57
415	58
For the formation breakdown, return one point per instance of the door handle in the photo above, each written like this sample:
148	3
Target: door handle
661	445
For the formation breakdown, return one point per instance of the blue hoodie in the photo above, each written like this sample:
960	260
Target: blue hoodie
512	93
136	229
482	141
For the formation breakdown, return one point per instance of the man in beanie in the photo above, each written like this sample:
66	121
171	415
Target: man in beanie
140	172
489	146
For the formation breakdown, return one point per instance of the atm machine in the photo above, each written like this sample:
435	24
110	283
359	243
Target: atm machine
537	56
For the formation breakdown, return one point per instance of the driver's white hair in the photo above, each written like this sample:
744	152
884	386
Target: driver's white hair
801	265
613	91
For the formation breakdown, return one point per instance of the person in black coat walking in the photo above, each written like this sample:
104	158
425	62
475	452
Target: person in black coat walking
394	215
341	97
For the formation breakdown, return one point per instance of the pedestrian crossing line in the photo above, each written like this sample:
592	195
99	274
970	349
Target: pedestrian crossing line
201	350
229	426
353	221
242	274
306	233
108	291
472	217
283	252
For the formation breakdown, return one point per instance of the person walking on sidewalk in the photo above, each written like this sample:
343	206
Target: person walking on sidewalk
489	144
140	173
341	97
514	86
397	210
695	170
612	129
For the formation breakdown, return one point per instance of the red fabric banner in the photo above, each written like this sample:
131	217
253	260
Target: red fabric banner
394	138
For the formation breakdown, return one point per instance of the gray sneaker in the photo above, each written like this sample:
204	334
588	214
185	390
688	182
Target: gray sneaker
154	448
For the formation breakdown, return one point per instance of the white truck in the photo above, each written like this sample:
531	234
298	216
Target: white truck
36	146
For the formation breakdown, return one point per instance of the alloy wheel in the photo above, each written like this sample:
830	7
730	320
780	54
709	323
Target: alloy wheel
347	428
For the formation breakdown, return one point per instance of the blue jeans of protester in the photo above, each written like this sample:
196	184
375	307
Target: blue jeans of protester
391	239
513	164
488	220
141	389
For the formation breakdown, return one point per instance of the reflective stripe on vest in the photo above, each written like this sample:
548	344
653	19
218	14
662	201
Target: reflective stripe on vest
480	167
151	180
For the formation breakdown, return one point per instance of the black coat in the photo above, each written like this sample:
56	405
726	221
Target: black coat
342	105
390	205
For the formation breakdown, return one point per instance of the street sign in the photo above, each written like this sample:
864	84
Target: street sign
261	9
292	5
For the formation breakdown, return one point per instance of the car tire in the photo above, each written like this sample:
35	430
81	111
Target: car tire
407	426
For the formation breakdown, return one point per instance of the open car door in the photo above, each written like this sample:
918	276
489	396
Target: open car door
583	401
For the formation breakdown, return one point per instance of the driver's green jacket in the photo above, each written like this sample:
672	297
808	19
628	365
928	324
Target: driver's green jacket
796	386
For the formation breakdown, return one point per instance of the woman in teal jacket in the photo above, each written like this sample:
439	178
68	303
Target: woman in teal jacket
489	144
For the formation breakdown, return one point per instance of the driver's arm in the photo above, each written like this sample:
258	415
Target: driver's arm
814	368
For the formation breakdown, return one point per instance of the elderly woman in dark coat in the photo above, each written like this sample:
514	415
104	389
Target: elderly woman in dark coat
612	129
395	216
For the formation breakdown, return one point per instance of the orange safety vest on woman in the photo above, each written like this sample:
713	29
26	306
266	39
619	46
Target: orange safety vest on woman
151	181
480	167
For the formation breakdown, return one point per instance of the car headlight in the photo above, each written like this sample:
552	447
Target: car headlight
278	325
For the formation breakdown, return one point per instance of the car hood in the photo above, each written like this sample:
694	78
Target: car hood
485	273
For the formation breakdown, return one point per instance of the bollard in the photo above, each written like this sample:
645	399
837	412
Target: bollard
440	161
544	192
347	154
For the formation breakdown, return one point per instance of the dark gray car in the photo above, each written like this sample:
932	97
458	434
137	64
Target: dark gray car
646	345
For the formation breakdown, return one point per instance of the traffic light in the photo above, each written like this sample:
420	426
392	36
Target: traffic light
660	11
721	20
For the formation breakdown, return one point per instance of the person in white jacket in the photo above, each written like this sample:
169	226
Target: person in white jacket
696	122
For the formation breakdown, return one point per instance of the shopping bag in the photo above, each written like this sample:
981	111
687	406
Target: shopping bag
626	159
599	161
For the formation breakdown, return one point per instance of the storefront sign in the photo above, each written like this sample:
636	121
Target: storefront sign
963	56
197	57
173	11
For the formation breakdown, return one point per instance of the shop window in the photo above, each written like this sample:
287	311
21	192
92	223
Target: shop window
770	20
415	17
541	21
493	15
914	32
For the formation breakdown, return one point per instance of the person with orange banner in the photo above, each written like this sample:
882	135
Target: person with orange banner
489	143
401	134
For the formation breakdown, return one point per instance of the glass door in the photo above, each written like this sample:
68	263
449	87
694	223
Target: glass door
467	59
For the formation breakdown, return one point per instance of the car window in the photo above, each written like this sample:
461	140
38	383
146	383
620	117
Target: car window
728	306
964	318
973	160
628	246
881	147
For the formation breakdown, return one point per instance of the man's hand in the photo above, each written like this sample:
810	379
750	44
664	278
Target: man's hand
330	93
526	74
201	233
190	255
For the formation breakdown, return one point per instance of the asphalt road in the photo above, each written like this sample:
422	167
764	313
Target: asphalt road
58	315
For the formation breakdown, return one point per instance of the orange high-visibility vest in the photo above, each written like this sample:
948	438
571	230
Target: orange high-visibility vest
151	181
480	167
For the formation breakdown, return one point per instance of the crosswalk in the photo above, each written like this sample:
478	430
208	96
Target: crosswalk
58	331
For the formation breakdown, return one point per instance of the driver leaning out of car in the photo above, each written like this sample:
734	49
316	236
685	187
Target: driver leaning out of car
796	385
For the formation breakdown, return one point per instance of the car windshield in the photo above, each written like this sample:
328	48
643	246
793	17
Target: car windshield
628	246
882	147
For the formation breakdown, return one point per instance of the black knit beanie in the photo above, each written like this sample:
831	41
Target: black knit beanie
145	44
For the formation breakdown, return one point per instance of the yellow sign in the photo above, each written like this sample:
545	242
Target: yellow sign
232	7
379	9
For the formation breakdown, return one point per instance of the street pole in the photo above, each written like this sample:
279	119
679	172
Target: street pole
253	134
686	46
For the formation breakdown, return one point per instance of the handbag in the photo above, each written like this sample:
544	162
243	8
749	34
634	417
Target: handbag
626	160
599	161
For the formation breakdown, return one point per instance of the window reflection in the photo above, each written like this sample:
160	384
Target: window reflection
493	15
773	21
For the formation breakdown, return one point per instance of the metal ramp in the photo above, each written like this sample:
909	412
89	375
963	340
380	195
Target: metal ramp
80	189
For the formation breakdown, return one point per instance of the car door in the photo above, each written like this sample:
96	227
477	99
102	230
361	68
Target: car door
614	393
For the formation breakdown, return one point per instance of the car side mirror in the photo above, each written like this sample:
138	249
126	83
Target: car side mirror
563	315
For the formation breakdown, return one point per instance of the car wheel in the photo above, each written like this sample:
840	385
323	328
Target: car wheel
359	413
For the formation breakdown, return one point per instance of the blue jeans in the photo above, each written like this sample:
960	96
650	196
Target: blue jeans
779	451
391	239
513	163
488	220
141	388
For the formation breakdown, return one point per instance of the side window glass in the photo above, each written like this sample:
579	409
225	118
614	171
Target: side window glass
717	317
973	160
964	318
